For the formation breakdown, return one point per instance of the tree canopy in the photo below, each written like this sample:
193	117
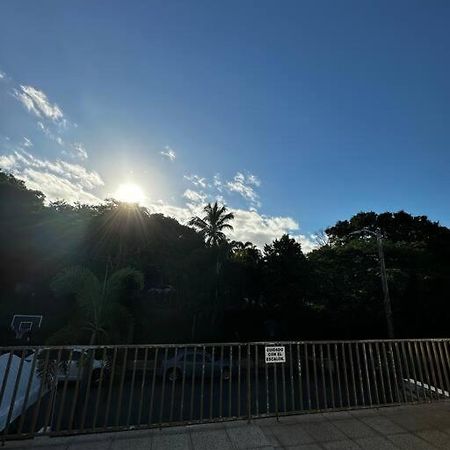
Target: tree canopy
116	273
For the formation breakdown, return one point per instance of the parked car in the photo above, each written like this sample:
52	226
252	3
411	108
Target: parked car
72	367
192	364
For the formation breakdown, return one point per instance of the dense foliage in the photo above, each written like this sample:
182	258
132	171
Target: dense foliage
115	273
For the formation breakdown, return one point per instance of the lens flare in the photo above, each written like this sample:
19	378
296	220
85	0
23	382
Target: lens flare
130	193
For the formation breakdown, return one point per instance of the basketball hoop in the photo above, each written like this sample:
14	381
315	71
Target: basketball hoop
23	325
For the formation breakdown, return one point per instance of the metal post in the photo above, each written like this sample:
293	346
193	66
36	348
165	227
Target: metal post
384	283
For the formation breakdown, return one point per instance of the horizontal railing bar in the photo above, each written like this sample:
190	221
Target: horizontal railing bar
211	344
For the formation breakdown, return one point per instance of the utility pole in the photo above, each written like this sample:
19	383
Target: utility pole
384	283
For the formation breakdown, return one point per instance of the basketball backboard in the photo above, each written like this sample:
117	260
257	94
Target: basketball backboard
24	324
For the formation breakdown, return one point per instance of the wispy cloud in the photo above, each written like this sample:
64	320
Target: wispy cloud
27	142
76	151
197	180
245	185
37	102
168	153
56	179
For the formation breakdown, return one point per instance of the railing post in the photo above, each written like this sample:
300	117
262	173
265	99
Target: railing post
249	393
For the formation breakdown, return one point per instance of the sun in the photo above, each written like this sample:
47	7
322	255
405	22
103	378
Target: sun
130	193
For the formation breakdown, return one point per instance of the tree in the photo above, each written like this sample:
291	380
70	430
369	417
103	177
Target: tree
213	223
98	306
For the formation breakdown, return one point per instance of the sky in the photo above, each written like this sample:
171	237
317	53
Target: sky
295	114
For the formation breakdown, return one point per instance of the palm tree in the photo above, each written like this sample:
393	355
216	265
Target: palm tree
213	223
212	226
98	303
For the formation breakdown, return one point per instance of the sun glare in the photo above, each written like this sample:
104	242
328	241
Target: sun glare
130	193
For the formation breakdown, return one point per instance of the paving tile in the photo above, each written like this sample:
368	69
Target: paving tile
375	443
436	437
341	445
207	440
408	441
91	445
413	422
270	436
304	447
291	434
247	436
383	425
354	428
132	444
324	431
171	441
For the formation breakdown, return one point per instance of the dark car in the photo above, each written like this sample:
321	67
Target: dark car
193	364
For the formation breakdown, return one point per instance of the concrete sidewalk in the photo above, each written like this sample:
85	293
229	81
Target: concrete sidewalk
402	427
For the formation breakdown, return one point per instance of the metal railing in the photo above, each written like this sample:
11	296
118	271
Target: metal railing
85	389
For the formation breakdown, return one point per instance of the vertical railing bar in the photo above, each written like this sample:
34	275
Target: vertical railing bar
438	367
418	353
14	393
239	380
374	372
361	383
248	384
99	389
174	377
133	380
352	371
191	409
41	389
163	386
400	366
266	373
387	372
221	383
380	372
27	392
330	374
53	393
394	372
300	378
122	380
291	376
444	365
275	381
256	381
433	373
88	390
315	376
211	398
308	390
230	381
80	374
202	385
366	369
63	397
141	396
344	363
183	380
405	363
413	366
338	373
324	381
152	392
425	370
283	383
111	381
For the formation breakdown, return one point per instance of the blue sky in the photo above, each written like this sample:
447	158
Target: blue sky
296	114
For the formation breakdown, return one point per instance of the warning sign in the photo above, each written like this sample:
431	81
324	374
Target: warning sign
275	355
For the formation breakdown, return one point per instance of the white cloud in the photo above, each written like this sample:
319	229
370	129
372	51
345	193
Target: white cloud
2	75
168	153
245	185
56	179
37	102
196	180
27	142
79	151
194	196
